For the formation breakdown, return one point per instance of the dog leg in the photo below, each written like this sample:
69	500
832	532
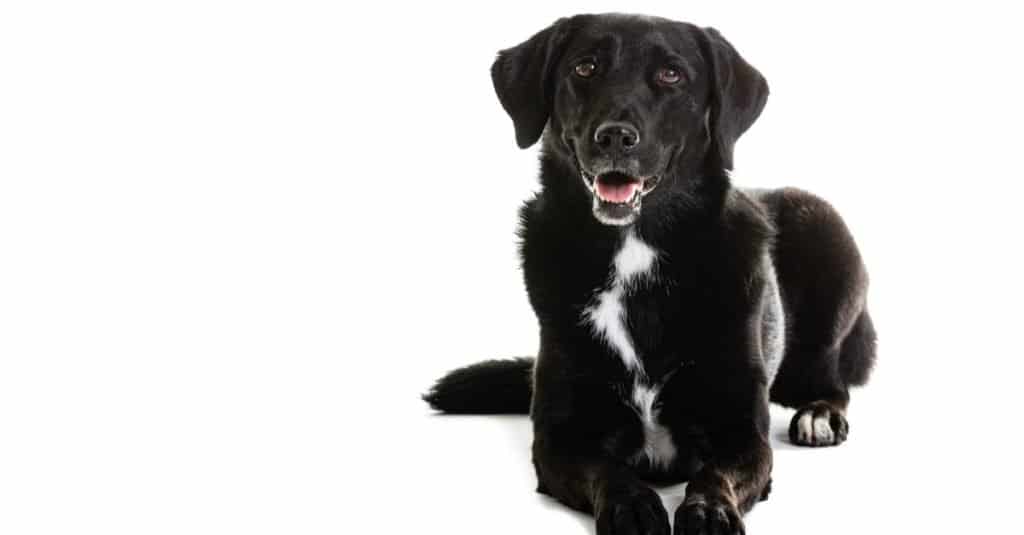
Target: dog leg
725	489
820	395
822	422
812	382
619	501
737	466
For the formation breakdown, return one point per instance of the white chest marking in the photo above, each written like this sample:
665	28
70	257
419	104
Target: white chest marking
658	446
634	262
607	316
635	258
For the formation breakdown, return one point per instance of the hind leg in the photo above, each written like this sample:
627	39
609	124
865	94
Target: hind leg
817	383
824	286
813	386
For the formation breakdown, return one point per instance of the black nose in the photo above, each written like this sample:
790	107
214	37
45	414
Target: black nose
616	137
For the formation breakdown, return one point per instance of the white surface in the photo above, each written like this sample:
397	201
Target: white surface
238	240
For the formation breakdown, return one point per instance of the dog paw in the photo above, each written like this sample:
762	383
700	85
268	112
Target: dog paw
818	424
633	511
705	515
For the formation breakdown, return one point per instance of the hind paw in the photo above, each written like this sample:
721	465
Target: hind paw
819	424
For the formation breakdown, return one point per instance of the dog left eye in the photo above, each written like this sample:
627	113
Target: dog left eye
585	69
668	76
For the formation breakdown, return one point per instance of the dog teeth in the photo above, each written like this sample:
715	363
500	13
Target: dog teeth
653	181
586	181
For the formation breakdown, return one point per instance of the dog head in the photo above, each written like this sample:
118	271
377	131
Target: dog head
623	98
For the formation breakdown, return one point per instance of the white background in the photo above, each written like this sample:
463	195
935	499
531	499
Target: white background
238	240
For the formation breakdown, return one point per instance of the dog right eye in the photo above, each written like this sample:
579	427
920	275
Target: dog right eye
585	69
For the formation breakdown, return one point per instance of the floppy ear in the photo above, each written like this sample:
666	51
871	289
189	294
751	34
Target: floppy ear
738	94
522	78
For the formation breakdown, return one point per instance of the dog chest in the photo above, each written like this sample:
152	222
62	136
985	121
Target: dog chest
634	264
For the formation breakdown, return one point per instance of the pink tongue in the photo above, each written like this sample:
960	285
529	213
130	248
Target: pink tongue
617	193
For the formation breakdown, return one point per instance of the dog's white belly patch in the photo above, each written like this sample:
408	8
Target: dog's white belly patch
633	263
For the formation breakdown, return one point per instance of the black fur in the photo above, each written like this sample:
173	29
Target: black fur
700	322
490	387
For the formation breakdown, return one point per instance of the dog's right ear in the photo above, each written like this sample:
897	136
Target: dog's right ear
523	80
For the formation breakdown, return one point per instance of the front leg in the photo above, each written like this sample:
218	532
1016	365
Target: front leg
620	502
735	476
721	493
731	403
583	433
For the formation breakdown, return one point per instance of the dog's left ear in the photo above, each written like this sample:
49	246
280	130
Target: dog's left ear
523	80
738	94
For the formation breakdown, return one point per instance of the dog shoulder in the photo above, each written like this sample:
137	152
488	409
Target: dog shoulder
744	235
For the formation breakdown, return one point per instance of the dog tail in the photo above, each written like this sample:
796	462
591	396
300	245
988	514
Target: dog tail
489	387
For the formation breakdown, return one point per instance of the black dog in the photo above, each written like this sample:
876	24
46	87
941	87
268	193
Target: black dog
672	307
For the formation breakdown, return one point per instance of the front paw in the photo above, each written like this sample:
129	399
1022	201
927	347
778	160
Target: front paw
634	510
708	515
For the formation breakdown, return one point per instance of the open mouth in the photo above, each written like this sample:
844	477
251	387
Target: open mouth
618	188
617	195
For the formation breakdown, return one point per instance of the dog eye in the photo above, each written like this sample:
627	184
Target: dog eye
668	76
585	69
